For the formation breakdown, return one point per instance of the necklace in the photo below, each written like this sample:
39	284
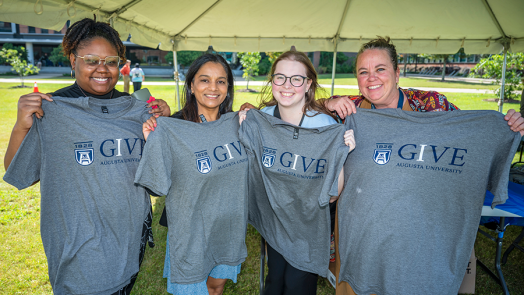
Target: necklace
87	96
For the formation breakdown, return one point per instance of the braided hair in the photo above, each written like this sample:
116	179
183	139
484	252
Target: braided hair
80	33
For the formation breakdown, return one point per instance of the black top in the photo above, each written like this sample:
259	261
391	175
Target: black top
74	91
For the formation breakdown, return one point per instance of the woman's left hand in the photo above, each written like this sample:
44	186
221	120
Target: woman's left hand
349	139
242	115
515	121
161	110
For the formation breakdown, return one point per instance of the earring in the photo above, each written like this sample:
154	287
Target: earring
72	73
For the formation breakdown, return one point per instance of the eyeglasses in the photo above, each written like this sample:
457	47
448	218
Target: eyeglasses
296	80
95	60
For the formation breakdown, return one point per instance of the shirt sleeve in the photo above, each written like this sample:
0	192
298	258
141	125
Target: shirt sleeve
499	172
330	187
154	170
24	169
429	101
246	133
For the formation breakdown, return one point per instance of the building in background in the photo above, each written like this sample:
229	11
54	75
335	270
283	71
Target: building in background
39	44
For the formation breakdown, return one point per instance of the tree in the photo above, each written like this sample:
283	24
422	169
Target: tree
14	58
491	67
272	56
19	49
57	56
443	57
249	60
184	58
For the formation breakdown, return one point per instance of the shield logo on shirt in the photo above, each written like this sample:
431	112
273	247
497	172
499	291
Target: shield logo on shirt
84	157
204	164
268	157
381	157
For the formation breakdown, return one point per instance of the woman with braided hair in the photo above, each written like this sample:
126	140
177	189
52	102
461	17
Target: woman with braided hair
84	152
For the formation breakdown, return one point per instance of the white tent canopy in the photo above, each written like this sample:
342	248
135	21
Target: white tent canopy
416	26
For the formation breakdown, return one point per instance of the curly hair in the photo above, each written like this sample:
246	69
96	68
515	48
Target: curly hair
80	33
381	43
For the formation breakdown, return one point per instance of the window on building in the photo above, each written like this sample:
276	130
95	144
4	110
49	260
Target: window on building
31	29
45	31
152	59
5	27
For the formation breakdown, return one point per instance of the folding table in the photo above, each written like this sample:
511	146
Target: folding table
509	213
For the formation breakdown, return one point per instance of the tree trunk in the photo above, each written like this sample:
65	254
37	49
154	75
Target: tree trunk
247	85
22	79
405	64
444	68
416	63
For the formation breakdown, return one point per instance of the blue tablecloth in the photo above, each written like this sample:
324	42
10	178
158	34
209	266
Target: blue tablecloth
513	209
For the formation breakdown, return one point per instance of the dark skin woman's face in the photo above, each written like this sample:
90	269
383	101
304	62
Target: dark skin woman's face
99	79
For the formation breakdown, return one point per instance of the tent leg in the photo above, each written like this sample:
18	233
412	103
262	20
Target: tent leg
501	101
334	70
175	63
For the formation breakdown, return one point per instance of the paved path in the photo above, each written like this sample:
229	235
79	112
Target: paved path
30	82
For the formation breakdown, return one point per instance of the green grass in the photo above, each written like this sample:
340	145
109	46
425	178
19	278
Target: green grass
23	267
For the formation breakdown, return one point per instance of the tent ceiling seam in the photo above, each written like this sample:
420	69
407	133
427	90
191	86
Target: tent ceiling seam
108	13
341	23
124	8
197	19
494	18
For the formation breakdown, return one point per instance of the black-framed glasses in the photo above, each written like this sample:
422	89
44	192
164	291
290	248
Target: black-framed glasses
94	60
296	80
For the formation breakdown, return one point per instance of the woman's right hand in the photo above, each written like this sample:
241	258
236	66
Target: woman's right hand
343	105
28	105
148	126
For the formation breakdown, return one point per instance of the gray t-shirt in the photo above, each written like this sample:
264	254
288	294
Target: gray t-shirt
202	169
416	182
85	152
291	181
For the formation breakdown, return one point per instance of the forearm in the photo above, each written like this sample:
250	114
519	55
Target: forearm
17	136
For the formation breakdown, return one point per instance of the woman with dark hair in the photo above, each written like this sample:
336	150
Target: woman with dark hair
206	208
294	263
194	105
94	222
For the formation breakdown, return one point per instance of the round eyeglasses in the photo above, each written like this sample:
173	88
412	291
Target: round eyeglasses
95	60
296	80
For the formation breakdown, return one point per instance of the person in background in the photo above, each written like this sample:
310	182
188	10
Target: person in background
137	77
125	70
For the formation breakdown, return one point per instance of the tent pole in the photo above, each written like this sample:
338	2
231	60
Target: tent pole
501	101
334	68
175	63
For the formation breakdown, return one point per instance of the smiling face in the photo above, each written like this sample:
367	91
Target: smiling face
377	79
100	79
210	87
287	95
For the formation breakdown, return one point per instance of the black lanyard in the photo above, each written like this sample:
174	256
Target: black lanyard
276	114
400	100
